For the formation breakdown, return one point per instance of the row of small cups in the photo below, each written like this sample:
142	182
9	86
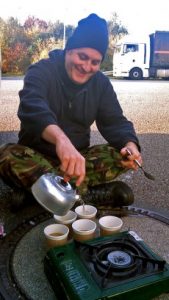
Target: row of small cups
79	225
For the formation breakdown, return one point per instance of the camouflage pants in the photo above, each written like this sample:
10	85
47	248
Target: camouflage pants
21	166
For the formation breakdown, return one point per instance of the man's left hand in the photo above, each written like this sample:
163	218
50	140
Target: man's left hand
128	161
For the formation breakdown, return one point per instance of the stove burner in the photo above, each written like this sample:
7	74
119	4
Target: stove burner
116	261
119	258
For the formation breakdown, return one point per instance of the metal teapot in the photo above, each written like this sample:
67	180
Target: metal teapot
54	194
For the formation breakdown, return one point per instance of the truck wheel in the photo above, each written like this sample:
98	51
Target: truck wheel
136	74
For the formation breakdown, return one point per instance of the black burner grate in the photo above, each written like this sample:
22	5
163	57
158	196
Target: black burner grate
118	260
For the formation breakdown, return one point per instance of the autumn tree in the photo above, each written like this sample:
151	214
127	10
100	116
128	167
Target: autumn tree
33	26
44	36
22	45
15	54
15	59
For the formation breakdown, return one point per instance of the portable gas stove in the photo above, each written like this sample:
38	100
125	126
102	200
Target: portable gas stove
118	267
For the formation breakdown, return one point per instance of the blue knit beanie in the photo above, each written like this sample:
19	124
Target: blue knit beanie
91	32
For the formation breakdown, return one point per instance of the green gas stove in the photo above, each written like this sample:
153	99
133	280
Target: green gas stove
118	267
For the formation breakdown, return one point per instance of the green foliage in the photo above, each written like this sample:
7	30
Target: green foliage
41	48
2	32
116	32
107	62
22	45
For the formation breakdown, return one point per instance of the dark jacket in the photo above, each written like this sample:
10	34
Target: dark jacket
49	97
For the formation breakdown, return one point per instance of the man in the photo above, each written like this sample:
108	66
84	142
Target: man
61	98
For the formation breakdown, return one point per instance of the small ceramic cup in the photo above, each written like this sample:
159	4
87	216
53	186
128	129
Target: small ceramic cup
67	220
86	212
56	235
83	229
109	225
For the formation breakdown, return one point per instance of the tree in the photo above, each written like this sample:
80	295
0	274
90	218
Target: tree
45	40
14	32
56	30
116	32
15	59
2	32
15	54
41	48
34	26
25	44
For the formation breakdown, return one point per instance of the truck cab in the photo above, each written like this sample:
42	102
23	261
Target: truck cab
131	59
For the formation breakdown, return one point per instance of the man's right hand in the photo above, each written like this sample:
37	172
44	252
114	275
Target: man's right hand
72	162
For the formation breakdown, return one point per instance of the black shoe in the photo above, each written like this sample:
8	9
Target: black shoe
114	194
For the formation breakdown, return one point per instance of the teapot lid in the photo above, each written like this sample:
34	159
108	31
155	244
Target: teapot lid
60	183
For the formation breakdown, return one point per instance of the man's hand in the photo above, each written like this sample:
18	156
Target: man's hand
72	162
128	161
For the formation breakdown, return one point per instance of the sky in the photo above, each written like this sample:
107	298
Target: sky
140	17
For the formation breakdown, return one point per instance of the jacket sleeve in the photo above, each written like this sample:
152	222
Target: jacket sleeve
34	110
111	122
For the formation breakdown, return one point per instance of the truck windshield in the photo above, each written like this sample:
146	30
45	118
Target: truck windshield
130	48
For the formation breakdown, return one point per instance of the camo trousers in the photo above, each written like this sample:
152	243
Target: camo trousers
21	166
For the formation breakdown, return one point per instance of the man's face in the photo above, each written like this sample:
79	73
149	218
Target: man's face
82	63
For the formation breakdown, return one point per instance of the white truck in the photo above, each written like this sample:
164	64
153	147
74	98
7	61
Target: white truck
138	59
